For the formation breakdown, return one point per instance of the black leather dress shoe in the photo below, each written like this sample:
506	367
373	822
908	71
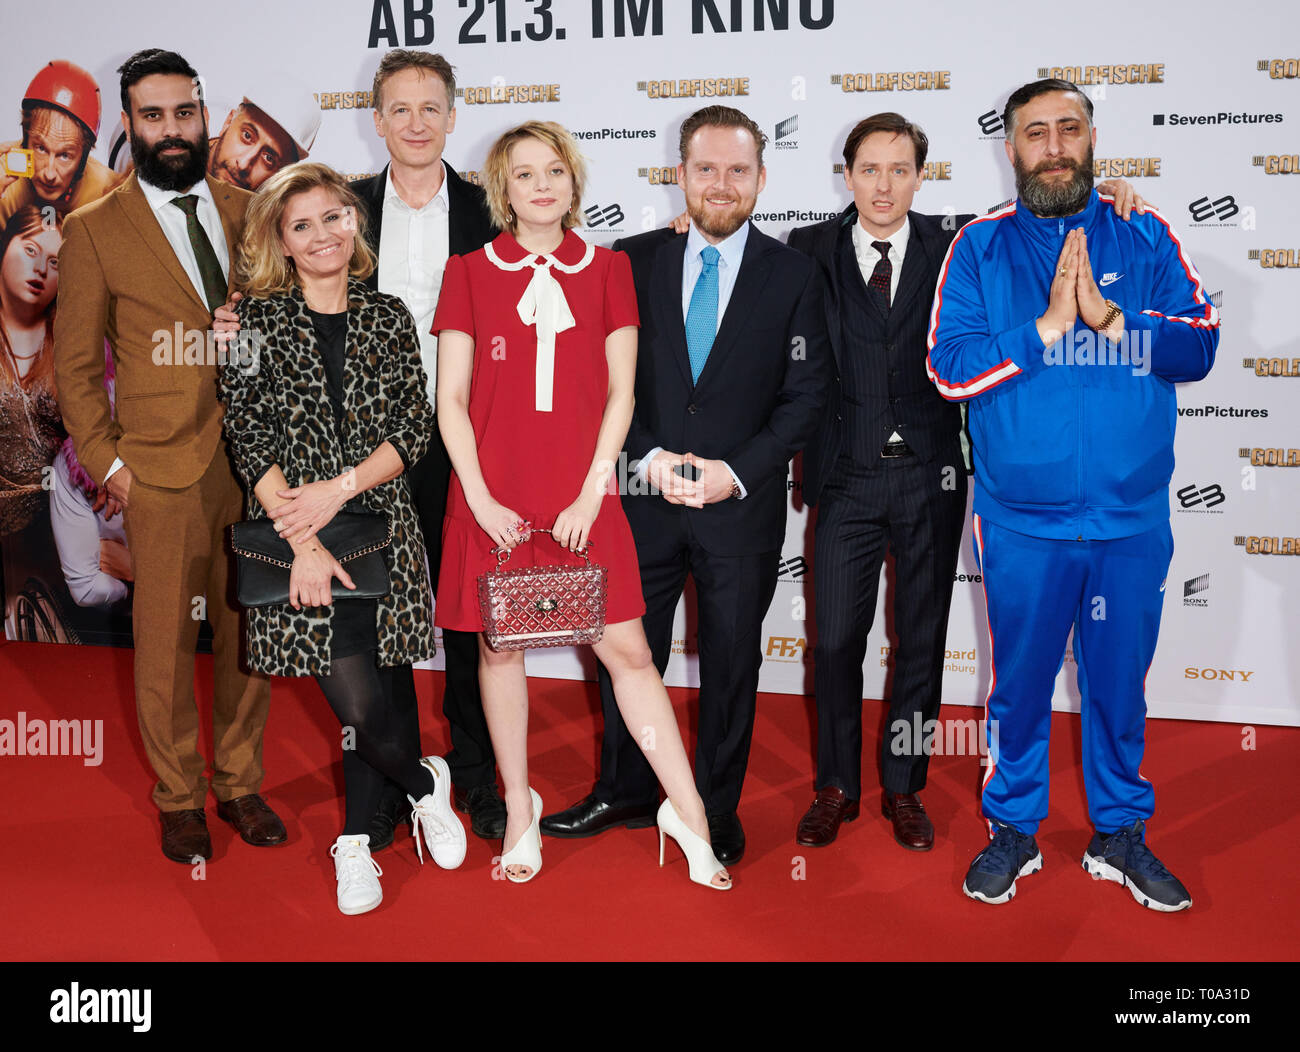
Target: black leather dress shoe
486	810
394	810
728	837
590	816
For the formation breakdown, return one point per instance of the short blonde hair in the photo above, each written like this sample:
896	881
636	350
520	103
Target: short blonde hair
496	170
262	269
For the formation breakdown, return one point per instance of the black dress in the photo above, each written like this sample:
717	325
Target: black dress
353	621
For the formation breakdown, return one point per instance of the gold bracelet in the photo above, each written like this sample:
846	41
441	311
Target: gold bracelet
1115	311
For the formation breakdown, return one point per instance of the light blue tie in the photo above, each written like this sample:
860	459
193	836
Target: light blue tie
702	316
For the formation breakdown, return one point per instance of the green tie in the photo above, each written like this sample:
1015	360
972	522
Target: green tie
214	281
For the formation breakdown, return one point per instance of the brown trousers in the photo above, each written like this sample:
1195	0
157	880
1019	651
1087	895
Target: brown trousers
179	557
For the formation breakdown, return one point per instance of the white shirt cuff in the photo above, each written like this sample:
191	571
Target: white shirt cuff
117	463
643	465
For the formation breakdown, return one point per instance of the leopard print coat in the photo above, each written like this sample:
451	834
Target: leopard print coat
278	412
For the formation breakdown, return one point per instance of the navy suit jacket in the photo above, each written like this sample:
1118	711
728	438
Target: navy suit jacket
759	398
901	392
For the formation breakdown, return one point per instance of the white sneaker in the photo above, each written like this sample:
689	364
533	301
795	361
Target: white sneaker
357	874
433	816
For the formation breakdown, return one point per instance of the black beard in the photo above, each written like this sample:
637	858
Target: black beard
1054	200
170	173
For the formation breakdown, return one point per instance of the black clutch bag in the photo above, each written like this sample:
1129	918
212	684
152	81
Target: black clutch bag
359	540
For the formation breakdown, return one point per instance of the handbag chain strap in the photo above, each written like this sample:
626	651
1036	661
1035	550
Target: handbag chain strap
503	554
378	546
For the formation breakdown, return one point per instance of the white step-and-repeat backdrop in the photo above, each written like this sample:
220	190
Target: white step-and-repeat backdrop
1197	104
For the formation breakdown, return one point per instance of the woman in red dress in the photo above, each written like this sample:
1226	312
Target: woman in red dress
536	366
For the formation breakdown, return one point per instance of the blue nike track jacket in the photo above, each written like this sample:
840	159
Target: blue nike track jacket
1065	447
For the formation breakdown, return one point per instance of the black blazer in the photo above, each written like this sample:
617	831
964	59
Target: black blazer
758	399
901	391
469	226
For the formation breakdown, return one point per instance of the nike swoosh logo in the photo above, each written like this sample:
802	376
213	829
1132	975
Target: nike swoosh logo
1162	586
1109	280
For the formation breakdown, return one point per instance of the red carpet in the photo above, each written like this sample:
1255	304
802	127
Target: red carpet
83	878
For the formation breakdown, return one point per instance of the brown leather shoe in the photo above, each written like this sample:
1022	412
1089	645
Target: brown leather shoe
912	826
820	825
185	835
253	820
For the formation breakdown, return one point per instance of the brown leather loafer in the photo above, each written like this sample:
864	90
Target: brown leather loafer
912	826
256	823
185	835
820	825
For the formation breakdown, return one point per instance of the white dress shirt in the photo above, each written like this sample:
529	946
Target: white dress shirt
172	221
413	251
868	256
731	251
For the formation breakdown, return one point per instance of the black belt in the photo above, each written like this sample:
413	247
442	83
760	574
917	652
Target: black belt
896	448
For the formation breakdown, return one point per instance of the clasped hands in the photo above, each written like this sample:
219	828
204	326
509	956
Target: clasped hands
712	483
1074	294
308	509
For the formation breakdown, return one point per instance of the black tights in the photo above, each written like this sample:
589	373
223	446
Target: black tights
376	743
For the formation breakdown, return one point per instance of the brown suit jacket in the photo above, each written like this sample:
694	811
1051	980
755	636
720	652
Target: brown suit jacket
119	279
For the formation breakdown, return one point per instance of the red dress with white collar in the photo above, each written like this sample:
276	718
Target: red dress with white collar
535	459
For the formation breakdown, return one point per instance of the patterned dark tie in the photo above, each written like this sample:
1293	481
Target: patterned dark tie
214	281
880	277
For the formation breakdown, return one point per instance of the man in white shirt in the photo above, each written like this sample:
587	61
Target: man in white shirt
149	260
418	213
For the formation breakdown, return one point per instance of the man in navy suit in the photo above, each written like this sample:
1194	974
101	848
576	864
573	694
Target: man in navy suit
887	469
732	371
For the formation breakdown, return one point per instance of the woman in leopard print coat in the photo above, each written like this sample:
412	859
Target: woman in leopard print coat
281	414
326	412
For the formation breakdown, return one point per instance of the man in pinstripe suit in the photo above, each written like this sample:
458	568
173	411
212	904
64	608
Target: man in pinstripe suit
887	469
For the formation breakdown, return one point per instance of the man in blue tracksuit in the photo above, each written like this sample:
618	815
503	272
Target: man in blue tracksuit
1071	417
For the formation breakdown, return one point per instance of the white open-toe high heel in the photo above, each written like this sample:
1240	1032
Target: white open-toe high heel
528	851
704	865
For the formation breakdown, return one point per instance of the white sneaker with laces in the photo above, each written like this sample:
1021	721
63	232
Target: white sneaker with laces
357	875
432	816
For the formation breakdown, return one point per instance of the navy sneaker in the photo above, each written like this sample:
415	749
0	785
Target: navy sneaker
1124	858
1010	854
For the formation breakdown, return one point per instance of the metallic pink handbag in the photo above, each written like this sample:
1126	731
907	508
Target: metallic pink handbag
542	606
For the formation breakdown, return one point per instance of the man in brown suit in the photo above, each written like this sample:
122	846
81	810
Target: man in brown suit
144	267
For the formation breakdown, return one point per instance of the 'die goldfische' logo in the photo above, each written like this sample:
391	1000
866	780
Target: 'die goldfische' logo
894	80
1130	73
694	87
501	92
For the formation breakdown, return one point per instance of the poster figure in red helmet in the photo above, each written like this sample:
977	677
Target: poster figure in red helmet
60	124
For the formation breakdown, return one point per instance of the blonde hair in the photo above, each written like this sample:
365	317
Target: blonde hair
262	269
496	170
